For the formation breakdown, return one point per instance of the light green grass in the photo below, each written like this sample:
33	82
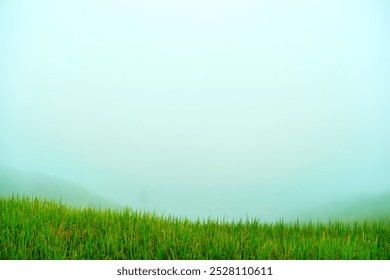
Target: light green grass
39	229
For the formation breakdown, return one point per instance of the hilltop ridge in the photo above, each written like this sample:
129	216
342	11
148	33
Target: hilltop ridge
17	182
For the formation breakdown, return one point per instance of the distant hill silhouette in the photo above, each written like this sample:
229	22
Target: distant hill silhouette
362	207
370	206
13	181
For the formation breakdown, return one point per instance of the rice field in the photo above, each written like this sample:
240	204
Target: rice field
36	229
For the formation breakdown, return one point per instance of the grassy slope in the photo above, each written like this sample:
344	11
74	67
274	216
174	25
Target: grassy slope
34	229
13	181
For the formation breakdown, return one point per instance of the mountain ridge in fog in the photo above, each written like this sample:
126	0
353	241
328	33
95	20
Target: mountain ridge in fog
17	182
359	207
13	181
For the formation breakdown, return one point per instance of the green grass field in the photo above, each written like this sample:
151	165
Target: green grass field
39	229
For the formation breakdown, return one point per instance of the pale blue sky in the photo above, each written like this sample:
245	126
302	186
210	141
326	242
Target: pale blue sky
171	98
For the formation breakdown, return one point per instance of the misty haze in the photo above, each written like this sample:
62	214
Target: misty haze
225	109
